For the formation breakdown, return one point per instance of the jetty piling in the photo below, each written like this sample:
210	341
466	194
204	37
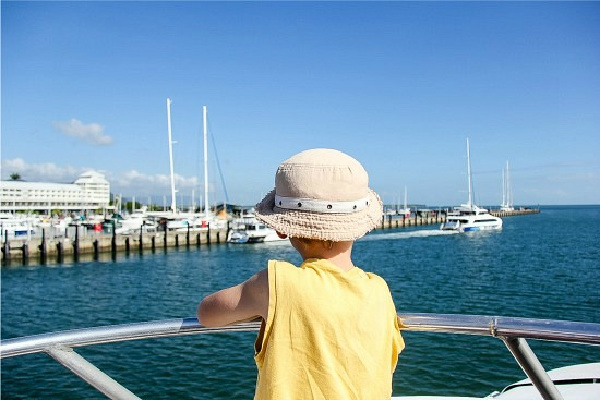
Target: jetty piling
60	252
6	247
43	247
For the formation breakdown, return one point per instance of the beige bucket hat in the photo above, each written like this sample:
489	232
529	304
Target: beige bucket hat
321	194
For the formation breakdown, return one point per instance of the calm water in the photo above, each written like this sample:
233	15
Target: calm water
539	266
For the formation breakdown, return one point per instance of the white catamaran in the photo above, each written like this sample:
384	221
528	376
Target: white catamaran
470	217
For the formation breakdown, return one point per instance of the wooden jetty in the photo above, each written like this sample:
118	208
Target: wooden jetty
97	243
511	213
398	221
93	245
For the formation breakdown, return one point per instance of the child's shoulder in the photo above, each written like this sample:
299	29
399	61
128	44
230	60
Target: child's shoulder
376	278
274	263
280	267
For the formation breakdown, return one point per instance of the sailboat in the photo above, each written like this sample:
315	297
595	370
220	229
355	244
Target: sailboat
190	221
405	212
507	200
470	217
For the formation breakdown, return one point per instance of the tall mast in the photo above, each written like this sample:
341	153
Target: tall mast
173	200
509	200
205	163
193	207
470	202
504	202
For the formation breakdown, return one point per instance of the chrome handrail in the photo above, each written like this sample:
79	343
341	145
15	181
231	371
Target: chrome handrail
112	333
504	327
527	328
513	331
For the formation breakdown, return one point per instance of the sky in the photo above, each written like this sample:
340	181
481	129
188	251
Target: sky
398	85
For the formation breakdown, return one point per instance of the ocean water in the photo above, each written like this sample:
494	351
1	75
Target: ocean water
538	266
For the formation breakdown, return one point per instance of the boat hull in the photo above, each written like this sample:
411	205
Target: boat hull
472	223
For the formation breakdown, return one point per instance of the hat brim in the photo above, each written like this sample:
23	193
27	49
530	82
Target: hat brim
314	225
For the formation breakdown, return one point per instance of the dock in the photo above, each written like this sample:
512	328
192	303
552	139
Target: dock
97	244
83	244
511	213
398	221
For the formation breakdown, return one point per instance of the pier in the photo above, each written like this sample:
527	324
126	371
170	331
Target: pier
398	221
78	242
511	213
84	243
95	244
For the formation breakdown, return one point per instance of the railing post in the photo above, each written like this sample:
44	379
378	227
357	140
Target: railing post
532	367
90	373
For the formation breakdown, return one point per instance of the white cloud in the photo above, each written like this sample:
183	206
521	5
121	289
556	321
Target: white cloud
127	183
134	178
44	172
92	133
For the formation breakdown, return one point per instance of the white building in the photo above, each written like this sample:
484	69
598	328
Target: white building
91	191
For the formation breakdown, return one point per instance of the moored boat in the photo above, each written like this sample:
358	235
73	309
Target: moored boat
248	229
17	226
470	217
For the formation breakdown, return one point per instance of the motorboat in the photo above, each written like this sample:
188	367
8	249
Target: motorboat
470	217
467	218
248	229
18	226
194	222
572	382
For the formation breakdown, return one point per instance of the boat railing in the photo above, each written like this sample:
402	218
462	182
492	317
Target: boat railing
512	331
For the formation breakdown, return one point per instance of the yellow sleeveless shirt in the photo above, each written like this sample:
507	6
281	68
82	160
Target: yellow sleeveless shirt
329	334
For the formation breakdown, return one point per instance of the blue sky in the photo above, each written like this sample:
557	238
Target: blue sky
398	85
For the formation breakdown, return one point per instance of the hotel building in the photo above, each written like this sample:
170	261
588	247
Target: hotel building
91	191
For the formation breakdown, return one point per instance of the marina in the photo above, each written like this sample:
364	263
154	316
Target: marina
26	239
529	269
46	245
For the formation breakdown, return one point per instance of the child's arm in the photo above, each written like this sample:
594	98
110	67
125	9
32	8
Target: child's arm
239	303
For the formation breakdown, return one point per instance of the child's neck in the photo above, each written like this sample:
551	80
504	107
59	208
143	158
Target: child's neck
343	263
338	254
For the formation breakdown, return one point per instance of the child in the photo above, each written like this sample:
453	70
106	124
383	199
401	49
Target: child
329	330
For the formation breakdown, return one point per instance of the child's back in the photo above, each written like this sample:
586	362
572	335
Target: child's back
329	330
329	334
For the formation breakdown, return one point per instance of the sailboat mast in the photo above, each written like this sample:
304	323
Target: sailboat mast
504	203
173	200
470	202
509	200
205	162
